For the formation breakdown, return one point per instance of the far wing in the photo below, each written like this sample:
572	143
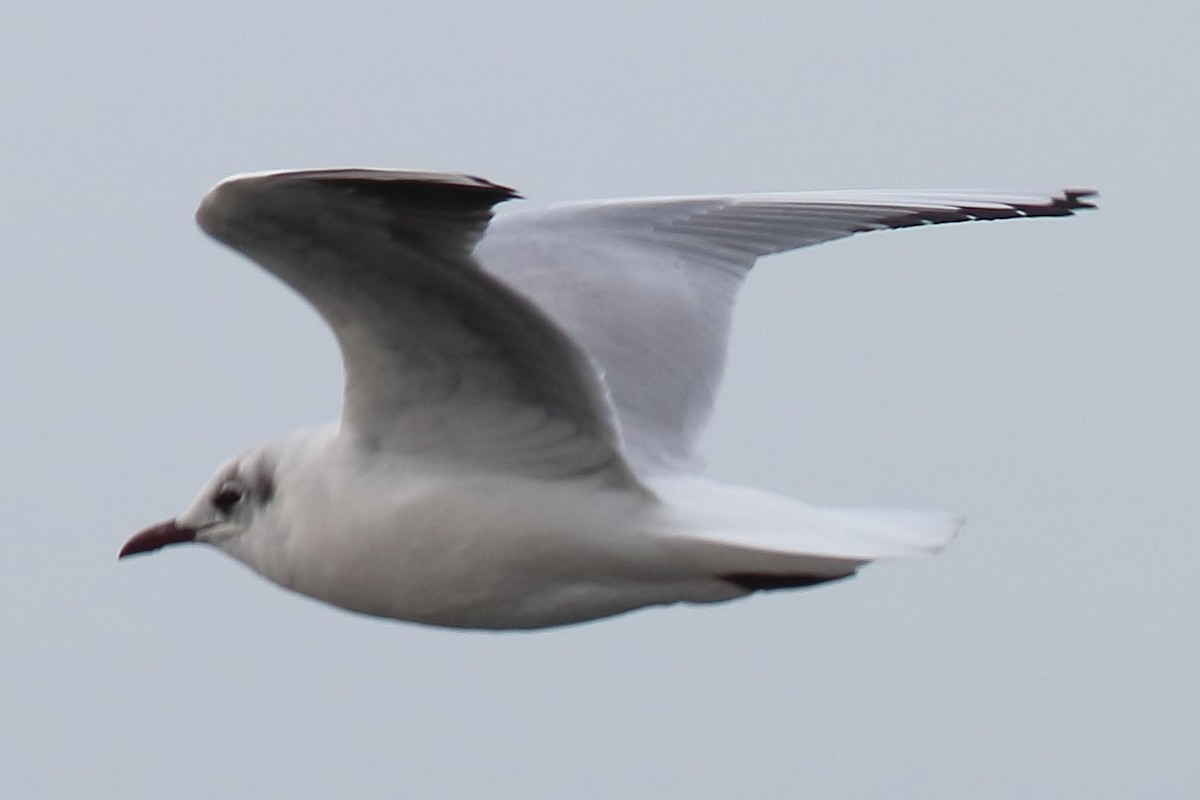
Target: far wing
646	286
443	362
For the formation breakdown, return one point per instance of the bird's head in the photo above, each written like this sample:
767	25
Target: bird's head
229	506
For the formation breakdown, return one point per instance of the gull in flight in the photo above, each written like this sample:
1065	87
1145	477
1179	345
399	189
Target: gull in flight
523	396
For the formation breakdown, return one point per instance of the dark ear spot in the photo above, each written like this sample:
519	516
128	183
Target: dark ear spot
264	486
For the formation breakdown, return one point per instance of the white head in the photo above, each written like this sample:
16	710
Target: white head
235	501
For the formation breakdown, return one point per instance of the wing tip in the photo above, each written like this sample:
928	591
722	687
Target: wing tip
1062	203
1080	199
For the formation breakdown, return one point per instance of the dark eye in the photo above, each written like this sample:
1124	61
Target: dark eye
228	496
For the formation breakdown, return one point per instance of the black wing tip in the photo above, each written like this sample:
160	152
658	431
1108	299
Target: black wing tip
1062	204
1080	199
507	193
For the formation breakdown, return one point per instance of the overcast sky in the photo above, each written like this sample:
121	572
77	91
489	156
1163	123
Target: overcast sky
1037	375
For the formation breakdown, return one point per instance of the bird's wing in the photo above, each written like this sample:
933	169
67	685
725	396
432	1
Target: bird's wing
646	286
443	362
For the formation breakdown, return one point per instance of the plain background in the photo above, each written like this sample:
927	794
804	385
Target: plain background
1037	375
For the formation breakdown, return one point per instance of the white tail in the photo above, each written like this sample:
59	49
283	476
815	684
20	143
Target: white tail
777	529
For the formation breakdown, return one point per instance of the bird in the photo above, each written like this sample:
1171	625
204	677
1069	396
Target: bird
524	390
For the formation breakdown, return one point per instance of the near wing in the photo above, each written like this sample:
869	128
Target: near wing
646	286
443	362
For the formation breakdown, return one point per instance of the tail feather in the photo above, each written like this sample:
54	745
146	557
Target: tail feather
909	531
763	532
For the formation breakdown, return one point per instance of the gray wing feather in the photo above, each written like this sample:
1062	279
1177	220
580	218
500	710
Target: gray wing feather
646	286
443	362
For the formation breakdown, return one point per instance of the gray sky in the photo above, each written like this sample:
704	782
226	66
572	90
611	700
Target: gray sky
1038	376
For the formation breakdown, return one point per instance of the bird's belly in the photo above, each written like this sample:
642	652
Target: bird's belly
505	554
